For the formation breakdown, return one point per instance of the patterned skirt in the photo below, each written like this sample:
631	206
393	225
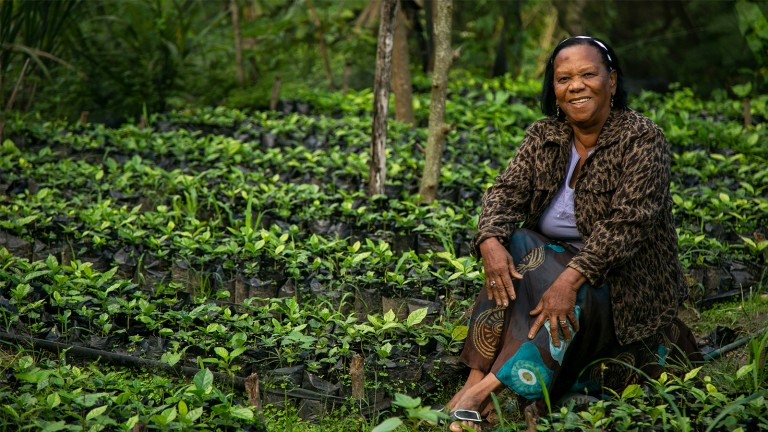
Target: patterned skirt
591	362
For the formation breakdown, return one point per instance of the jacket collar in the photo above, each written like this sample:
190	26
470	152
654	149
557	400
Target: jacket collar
561	132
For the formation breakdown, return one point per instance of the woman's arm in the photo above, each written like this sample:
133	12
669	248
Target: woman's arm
506	202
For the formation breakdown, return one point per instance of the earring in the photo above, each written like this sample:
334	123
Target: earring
611	101
557	110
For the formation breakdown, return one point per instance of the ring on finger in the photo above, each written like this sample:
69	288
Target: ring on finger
563	322
492	283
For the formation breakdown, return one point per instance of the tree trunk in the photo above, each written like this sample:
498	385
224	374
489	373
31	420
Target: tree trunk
510	40
429	18
437	127
368	16
378	167
321	42
571	16
401	70
234	11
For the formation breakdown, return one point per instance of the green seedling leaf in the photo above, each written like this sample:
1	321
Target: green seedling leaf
632	391
459	333
96	412
692	374
427	414
236	352
361	256
406	401
241	412
744	370
171	358
390	316
132	422
53	400
416	317
222	352
195	414
742	90
753	139
388	425
203	380
32	275
52	426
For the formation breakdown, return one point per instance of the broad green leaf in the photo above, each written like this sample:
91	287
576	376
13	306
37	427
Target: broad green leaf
132	422
390	316
221	352
459	332
632	391
692	374
405	401
388	425
361	256
96	412
241	412
744	370
46	426
53	400
203	380
416	317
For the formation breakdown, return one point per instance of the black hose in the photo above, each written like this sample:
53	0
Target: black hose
732	346
140	363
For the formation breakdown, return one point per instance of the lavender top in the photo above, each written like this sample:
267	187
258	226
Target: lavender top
559	220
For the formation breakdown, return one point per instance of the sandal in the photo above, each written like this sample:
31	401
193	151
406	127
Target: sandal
463	415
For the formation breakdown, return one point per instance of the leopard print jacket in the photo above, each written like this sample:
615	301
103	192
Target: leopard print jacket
623	212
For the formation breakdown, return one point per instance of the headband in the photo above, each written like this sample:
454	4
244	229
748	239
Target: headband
595	41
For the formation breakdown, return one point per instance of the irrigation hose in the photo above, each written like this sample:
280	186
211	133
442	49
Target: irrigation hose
732	346
140	363
239	382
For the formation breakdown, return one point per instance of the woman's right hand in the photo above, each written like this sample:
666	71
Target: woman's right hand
499	271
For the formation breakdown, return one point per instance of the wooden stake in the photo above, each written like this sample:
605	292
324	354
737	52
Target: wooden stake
357	374
275	94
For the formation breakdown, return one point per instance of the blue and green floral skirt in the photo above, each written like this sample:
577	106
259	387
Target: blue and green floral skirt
498	336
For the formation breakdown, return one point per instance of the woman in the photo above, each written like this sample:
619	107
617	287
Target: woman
578	245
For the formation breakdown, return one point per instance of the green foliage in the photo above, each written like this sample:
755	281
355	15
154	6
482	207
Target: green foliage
32	37
754	27
144	54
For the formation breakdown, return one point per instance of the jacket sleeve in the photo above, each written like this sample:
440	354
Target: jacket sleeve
506	202
641	194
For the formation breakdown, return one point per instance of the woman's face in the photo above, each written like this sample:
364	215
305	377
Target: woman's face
583	86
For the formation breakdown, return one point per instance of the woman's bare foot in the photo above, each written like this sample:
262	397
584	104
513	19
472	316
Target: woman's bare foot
474	398
475	376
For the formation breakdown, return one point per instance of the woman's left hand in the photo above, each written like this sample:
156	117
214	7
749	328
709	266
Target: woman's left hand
557	306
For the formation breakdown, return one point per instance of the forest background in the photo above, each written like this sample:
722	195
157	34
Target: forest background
108	61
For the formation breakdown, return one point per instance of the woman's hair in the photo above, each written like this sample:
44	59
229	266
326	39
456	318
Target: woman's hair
610	60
